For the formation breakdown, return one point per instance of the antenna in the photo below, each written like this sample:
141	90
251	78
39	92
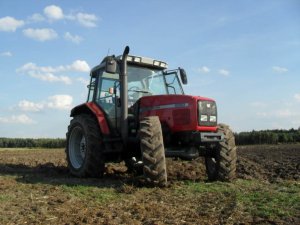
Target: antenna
108	52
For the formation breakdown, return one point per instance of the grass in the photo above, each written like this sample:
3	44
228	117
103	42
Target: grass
87	193
5	198
255	197
273	200
236	200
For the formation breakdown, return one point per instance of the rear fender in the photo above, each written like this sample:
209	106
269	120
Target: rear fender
93	109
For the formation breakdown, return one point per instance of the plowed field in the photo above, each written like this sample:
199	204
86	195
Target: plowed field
36	188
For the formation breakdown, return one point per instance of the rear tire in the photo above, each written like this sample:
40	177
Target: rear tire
84	147
153	153
222	165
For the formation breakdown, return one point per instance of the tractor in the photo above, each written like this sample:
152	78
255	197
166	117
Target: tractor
137	112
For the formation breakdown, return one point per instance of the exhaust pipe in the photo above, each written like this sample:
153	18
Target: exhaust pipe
124	96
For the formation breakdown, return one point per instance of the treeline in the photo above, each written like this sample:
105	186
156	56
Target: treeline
267	137
32	143
242	138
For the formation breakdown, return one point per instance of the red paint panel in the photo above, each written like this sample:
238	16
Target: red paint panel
181	116
166	106
100	117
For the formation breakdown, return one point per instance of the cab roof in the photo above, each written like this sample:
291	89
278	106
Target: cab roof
136	60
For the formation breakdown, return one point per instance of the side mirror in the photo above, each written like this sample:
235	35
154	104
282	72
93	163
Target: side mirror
111	65
183	76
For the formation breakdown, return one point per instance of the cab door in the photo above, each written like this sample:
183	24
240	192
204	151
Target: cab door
107	96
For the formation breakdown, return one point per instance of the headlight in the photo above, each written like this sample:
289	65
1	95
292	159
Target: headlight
212	119
203	118
207	113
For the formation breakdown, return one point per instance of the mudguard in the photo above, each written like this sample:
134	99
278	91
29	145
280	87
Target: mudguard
92	108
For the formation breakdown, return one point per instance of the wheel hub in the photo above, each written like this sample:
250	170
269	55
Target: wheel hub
82	147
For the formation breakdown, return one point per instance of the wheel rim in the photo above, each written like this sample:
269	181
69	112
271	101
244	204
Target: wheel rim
77	147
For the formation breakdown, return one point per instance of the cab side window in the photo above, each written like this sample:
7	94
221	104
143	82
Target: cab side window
104	98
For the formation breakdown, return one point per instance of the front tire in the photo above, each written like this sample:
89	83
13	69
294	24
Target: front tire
222	164
153	153
84	147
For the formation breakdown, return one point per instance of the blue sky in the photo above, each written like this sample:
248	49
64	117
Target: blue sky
244	54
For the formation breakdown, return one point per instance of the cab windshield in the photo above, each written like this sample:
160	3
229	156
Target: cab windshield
147	81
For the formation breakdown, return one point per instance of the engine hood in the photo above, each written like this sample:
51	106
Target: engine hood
179	112
175	101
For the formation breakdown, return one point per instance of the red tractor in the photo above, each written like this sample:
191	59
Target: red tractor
137	112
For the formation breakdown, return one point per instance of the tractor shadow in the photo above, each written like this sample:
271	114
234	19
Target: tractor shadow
115	176
51	174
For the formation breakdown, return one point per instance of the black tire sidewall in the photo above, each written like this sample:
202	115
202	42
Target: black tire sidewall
93	163
72	168
214	169
153	157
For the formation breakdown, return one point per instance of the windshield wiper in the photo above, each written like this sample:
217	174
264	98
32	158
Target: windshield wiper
141	91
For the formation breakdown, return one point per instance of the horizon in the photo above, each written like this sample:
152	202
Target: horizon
267	130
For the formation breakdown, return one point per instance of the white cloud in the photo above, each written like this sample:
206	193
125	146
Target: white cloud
76	66
10	24
84	19
7	54
43	73
297	97
25	105
87	20
204	69
279	69
44	69
36	17
19	119
53	12
73	38
44	34
224	72
48	73
61	102
50	77
79	66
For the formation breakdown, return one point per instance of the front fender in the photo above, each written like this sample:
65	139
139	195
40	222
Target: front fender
93	109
